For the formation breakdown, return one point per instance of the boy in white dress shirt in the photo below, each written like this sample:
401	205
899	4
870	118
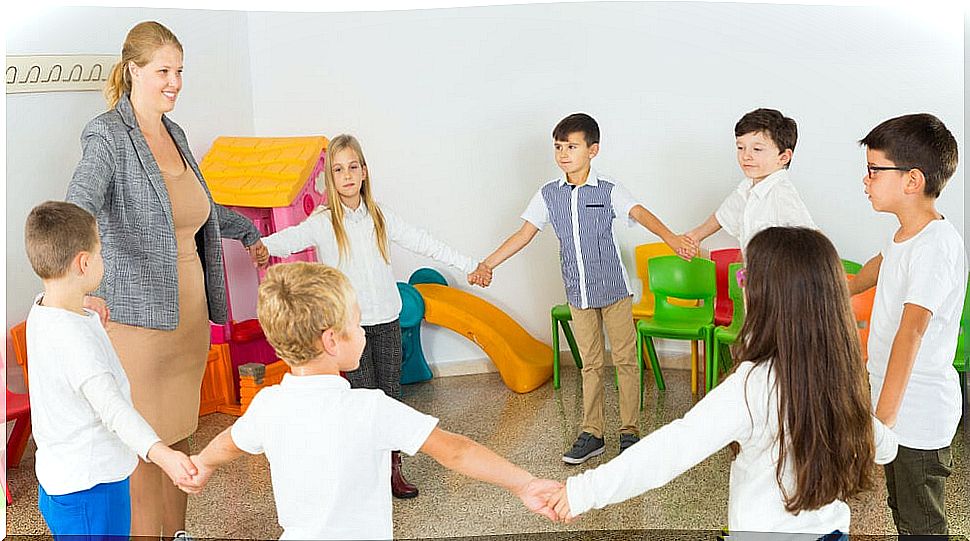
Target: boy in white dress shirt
328	445
88	434
766	197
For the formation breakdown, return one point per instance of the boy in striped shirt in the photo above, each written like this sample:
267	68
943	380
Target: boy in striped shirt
581	205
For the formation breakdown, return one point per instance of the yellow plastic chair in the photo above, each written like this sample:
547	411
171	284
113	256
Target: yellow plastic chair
645	308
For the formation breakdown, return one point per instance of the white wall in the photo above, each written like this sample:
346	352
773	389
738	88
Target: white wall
454	108
43	130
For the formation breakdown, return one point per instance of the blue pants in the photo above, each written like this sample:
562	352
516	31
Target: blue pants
102	512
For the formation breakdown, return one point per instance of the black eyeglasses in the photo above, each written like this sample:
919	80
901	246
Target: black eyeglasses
873	168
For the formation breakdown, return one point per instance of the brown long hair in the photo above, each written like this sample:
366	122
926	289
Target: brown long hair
337	144
140	44
799	319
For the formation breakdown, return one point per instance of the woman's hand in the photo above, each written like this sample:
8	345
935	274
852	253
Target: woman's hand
259	253
98	305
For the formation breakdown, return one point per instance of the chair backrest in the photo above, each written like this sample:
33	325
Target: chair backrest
642	254
18	335
723	306
961	352
736	294
671	276
862	309
851	267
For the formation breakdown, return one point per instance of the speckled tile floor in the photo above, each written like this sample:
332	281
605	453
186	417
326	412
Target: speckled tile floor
532	430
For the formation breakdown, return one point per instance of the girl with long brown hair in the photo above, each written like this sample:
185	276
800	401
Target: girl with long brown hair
797	405
353	233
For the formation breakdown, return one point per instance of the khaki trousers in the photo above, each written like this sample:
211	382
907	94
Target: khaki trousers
588	324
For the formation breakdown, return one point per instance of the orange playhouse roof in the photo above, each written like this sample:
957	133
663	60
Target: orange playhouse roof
260	172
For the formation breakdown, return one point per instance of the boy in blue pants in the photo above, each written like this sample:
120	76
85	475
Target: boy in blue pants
921	279
581	205
88	434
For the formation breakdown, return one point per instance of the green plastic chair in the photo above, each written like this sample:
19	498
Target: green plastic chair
671	276
960	360
561	316
724	336
851	267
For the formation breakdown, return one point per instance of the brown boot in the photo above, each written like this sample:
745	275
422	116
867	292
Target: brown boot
400	487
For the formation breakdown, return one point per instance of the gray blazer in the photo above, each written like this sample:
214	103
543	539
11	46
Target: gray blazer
120	183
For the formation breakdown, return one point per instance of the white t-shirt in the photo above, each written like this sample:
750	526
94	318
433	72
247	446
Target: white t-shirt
86	430
928	270
329	450
371	276
740	409
770	203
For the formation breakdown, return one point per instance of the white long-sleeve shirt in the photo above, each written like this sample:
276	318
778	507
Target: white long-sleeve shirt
752	207
755	502
371	276
86	429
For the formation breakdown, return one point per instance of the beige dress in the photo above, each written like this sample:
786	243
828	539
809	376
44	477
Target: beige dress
165	368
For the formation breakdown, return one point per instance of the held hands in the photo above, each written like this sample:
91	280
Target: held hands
685	246
98	305
174	463
536	496
259	254
560	506
198	481
481	276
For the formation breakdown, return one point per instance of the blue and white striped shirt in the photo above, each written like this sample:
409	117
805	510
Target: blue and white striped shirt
582	217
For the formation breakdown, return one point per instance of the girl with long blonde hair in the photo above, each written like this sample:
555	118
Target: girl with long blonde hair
353	233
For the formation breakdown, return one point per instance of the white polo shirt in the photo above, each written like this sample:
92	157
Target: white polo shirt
753	207
329	450
928	270
371	276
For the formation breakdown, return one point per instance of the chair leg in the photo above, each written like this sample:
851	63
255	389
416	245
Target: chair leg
655	364
639	346
713	364
18	441
710	362
571	340
694	388
6	489
555	354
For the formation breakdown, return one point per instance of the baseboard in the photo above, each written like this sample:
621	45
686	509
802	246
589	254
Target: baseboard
677	358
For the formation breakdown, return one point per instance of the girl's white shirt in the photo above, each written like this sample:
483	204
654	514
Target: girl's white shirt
743	408
371	276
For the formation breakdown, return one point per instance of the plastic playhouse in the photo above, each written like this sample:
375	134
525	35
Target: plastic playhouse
276	182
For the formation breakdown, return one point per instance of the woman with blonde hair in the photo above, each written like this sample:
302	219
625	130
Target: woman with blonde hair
352	234
161	239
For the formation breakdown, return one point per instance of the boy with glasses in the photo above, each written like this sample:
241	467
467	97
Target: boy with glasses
922	275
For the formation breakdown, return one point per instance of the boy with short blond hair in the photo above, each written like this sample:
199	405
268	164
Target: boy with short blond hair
88	434
328	445
921	279
582	205
766	197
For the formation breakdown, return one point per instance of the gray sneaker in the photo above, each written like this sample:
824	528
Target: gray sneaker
627	441
182	535
586	447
